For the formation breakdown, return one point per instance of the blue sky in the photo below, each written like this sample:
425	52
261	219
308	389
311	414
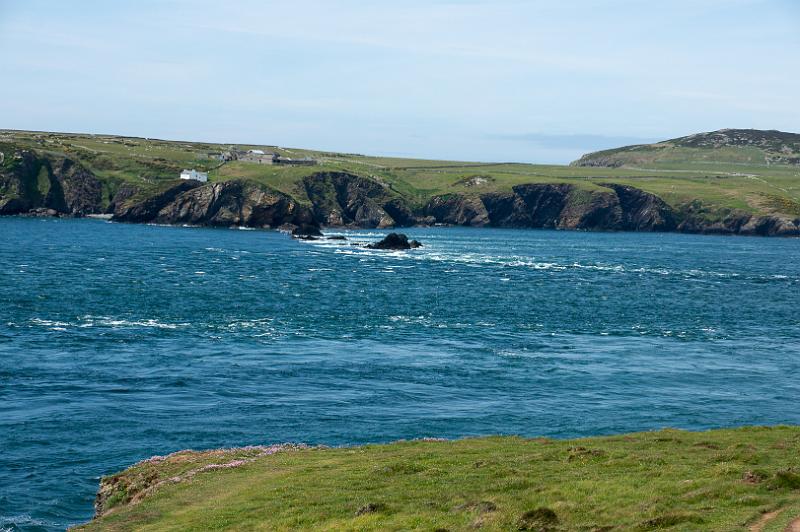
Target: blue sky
500	80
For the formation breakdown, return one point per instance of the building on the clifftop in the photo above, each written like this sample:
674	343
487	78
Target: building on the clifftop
257	156
195	175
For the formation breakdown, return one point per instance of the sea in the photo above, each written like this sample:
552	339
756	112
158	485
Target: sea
119	342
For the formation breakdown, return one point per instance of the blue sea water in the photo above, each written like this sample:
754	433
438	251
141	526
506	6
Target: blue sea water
118	342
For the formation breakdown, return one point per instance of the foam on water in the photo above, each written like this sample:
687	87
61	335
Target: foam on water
212	338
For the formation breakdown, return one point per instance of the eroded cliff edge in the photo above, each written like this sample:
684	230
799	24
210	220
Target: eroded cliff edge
59	185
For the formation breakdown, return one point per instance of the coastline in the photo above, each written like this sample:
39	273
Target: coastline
712	230
742	478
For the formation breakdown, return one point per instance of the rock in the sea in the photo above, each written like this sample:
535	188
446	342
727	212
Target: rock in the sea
305	230
395	241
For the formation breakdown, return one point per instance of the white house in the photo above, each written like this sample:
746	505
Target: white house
194	174
256	152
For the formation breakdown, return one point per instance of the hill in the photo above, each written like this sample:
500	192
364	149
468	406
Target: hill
729	182
741	479
746	147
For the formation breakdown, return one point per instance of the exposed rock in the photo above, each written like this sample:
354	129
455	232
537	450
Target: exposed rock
370	508
235	203
642	211
698	219
455	209
46	181
770	226
230	203
344	199
41	212
144	208
591	211
542	203
504	210
400	212
75	187
475	181
125	192
561	206
306	229
395	241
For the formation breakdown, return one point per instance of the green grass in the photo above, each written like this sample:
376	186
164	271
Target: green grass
724	179
718	480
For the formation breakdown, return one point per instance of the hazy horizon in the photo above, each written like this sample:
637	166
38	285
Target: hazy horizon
467	80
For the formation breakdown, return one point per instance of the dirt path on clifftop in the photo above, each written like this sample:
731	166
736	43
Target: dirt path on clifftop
793	526
765	519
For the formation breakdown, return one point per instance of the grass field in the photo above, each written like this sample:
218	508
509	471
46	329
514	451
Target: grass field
739	479
723	179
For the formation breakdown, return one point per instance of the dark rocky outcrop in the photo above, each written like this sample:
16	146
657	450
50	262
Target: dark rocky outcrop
557	206
75	187
642	211
542	204
124	192
230	203
344	199
737	223
144	207
395	241
770	226
31	181
456	209
306	229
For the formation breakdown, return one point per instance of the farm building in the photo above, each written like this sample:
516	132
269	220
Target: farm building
257	156
195	175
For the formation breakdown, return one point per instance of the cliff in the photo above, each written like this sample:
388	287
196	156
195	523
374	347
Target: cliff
231	203
619	208
360	192
31	181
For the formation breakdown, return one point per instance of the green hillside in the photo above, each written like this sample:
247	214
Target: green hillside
735	148
725	480
754	172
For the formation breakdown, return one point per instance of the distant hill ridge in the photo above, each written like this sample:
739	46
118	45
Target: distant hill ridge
745	146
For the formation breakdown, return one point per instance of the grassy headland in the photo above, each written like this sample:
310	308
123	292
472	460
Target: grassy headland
739	479
758	176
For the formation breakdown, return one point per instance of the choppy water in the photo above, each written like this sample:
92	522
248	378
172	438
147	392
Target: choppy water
118	342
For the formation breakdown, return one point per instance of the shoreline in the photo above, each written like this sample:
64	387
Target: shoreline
110	218
494	482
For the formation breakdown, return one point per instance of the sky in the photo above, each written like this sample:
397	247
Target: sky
478	80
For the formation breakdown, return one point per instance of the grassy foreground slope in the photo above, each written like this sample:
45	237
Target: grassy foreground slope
740	479
753	172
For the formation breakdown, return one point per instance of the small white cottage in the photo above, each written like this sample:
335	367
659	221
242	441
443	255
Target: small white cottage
194	174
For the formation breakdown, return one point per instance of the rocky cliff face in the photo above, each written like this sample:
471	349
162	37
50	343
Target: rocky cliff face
143	207
57	184
455	209
230	203
344	199
694	220
559	206
33	181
